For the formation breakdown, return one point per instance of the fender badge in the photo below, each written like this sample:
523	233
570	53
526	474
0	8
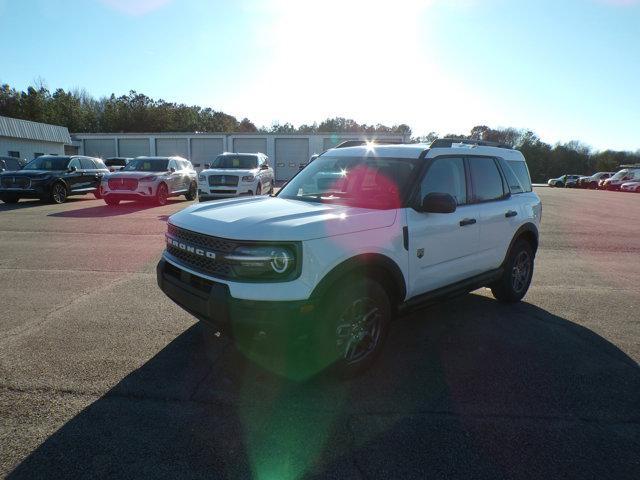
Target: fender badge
420	252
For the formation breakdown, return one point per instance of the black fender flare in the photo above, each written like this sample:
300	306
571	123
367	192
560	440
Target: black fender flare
528	230
373	264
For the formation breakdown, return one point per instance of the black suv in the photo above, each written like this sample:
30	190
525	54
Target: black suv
53	178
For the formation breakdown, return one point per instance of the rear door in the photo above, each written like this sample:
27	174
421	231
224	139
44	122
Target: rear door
175	177
442	246
498	213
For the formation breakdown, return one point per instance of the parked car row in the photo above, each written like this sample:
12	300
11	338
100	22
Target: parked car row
53	178
627	180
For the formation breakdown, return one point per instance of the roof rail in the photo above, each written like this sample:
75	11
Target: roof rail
449	142
359	143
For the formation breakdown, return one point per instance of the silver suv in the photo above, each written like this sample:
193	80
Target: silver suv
151	178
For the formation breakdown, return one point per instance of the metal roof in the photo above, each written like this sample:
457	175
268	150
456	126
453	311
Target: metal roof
27	130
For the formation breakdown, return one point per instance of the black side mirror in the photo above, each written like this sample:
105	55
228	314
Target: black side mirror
72	169
172	170
264	166
438	203
207	166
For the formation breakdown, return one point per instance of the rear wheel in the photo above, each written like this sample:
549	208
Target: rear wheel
10	198
259	189
192	194
518	271
59	193
112	202
162	194
357	322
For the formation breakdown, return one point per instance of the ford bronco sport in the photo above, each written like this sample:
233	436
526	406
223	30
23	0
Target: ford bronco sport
357	237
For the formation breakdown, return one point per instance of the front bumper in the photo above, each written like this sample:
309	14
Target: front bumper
144	192
212	303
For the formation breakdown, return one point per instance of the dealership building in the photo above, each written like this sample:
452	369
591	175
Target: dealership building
27	140
285	151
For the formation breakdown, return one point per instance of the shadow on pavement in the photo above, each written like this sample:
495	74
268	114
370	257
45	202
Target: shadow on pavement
466	389
104	210
34	202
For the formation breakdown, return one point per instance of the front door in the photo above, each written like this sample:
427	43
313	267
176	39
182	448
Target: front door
442	246
74	179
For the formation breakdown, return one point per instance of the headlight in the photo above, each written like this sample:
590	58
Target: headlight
150	178
268	262
248	178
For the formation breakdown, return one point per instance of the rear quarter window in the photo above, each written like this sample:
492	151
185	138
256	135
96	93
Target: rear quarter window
522	173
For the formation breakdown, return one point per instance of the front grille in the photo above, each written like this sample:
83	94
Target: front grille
212	243
199	263
223	181
16	182
129	184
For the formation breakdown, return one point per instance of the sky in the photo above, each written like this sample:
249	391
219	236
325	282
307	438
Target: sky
566	69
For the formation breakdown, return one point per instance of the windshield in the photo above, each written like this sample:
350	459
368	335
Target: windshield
115	162
369	182
48	163
620	174
242	162
147	165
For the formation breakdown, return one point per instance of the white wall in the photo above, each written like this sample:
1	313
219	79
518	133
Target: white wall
28	148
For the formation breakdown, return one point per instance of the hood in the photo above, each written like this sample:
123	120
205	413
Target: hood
273	218
229	171
31	173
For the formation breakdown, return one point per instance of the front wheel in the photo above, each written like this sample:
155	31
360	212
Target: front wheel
259	189
111	202
357	322
516	278
58	193
192	194
162	194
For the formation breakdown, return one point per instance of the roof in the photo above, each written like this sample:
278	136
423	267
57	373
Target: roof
27	130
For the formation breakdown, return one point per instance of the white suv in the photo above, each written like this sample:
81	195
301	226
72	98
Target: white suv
234	174
358	236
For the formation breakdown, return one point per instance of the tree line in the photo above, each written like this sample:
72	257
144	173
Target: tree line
548	161
136	112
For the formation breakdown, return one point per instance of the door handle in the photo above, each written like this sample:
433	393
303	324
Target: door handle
467	221
511	213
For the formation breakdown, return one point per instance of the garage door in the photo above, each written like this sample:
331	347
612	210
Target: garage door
205	150
101	148
290	153
133	147
250	145
166	147
331	142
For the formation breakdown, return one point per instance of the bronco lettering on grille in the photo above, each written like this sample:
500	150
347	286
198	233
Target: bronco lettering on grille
190	248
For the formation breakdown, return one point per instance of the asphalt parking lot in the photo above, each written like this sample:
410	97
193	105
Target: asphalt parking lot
101	375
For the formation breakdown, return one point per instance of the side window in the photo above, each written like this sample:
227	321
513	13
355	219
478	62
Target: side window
74	163
514	181
87	164
446	175
173	164
485	179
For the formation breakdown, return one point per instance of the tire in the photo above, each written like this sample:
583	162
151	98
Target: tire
97	193
259	189
192	194
271	189
355	325
162	194
518	272
59	193
112	202
10	198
